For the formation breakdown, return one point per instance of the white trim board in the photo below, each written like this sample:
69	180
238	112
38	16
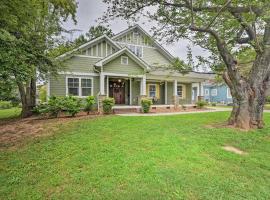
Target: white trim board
78	73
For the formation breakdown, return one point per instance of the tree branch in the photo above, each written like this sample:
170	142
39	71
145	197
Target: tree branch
241	9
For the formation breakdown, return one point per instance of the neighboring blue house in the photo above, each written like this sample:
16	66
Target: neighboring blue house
217	93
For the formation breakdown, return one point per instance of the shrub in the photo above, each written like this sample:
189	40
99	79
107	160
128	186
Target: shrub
89	104
5	104
146	104
71	105
55	106
107	104
213	104
41	109
201	104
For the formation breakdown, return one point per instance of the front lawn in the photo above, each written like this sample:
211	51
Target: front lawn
166	157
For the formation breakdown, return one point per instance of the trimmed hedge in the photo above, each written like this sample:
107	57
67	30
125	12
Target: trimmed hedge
89	104
146	104
107	105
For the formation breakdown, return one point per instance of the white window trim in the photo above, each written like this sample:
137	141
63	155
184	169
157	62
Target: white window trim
149	89
80	85
183	91
122	60
206	93
229	95
215	92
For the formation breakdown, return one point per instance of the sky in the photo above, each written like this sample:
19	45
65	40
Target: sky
90	10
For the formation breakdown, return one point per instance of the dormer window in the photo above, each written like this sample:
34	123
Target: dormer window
124	60
138	50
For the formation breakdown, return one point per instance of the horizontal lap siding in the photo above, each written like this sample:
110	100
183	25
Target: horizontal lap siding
80	64
154	57
115	66
169	92
136	85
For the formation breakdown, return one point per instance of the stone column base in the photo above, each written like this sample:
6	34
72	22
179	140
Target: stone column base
175	101
100	104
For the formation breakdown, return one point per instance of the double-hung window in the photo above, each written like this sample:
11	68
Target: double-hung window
180	91
73	86
86	86
81	87
152	90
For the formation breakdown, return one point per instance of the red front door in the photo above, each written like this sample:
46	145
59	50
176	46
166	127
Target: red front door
117	91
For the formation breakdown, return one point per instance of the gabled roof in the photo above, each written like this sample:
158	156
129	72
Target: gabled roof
111	57
88	44
159	47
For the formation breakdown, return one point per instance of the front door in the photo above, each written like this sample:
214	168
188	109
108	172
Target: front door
117	91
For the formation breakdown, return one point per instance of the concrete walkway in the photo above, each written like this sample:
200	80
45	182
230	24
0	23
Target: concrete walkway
176	113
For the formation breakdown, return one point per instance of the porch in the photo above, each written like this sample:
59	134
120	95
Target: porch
128	90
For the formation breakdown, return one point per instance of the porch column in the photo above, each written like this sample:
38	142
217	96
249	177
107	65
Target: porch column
143	86
175	88
175	95
200	96
107	85
142	89
166	92
101	83
130	91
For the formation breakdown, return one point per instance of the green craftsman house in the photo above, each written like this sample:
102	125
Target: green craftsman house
127	67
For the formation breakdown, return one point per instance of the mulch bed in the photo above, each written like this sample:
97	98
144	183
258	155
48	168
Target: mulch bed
14	131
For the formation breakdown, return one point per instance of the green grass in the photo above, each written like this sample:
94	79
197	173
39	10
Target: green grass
10	113
166	157
267	107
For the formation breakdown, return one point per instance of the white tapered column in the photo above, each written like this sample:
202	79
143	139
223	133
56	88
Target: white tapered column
101	83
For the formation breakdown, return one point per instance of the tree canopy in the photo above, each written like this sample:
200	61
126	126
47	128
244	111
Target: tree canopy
28	30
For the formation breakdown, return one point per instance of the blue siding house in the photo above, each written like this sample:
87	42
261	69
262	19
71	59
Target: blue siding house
217	93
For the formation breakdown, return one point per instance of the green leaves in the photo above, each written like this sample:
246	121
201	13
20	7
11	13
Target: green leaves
181	66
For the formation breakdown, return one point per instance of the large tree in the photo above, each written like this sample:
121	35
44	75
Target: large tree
28	30
224	27
96	31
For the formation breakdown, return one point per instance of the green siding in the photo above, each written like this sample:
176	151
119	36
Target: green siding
115	66
169	92
58	85
80	64
136	85
153	57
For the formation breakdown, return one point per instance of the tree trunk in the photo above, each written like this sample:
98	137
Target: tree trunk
247	114
28	97
249	95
